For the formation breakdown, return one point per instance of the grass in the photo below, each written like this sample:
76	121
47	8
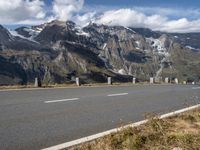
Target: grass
181	131
70	85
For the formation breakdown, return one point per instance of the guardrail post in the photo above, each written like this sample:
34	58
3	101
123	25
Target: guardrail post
78	81
152	80
134	80
109	80
36	84
176	80
166	80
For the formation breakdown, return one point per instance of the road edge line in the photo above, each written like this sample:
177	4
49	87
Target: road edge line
99	135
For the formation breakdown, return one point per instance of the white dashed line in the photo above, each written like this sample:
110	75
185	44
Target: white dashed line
61	100
195	88
119	94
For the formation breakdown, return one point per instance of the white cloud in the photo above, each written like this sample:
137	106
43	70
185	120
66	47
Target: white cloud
171	12
72	10
156	18
14	11
84	19
133	18
181	25
65	9
34	11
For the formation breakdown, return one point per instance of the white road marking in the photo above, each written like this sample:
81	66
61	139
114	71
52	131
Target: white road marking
61	100
99	135
119	94
195	88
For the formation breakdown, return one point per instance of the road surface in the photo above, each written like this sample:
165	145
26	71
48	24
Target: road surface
35	119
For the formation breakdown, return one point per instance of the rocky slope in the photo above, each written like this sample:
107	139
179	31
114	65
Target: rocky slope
57	52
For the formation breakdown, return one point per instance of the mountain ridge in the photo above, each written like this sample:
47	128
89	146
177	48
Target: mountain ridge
57	52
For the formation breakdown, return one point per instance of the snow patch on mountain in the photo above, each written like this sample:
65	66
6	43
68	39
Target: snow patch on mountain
31	32
79	31
159	48
130	29
122	72
105	45
190	47
176	37
138	45
156	44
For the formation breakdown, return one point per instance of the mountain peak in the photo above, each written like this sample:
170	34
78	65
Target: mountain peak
55	22
61	23
1	27
70	23
4	34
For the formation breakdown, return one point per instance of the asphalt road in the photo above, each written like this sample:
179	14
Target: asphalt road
35	119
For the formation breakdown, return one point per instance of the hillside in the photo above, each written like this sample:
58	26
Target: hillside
57	52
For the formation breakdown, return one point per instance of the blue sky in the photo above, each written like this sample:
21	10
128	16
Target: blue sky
142	3
149	3
184	5
163	15
124	3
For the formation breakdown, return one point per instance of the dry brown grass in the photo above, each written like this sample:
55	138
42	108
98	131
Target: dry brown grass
67	85
181	131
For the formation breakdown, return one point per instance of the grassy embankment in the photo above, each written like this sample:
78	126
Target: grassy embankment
180	131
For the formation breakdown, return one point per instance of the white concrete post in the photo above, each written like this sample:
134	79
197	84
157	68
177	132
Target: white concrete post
166	80
134	80
109	80
36	82
77	82
184	82
152	80
176	80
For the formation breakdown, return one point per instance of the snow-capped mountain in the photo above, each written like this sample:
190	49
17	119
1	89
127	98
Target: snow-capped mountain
59	51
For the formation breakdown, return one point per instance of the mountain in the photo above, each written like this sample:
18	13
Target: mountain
57	52
189	40
4	35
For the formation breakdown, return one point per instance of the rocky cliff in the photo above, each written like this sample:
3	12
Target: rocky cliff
57	52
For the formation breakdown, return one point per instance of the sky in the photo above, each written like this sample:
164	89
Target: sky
150	3
163	15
